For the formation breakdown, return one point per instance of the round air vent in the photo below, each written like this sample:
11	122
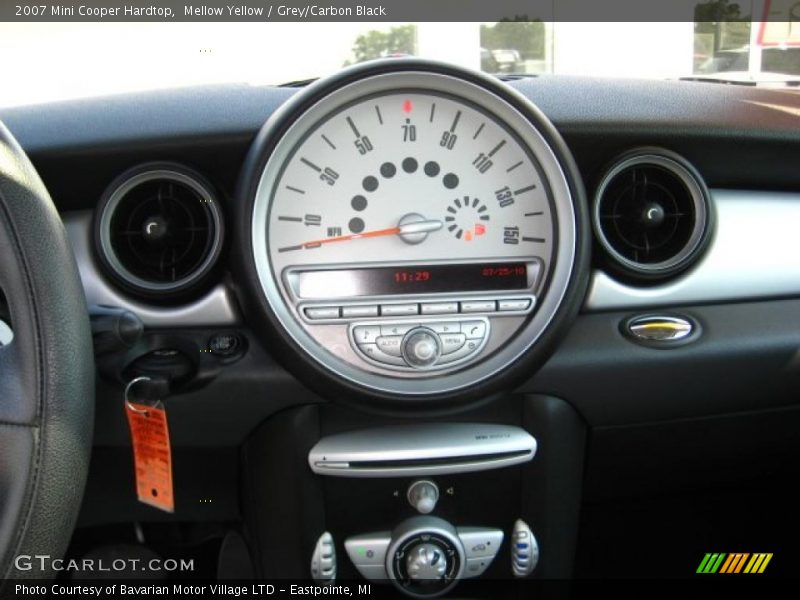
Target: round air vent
158	229
652	213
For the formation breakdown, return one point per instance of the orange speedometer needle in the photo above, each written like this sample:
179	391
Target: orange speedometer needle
408	228
354	236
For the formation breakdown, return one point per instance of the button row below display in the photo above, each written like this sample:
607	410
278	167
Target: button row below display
399	310
475	306
513	304
439	308
322	312
426	308
359	311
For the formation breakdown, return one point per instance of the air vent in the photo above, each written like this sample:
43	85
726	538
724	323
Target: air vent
159	229
652	213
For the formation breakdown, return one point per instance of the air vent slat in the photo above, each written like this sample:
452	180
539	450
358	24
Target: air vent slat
651	213
159	229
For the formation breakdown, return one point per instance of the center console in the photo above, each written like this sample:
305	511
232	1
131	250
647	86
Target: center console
417	507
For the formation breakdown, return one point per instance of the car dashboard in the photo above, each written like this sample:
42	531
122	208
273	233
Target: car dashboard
597	279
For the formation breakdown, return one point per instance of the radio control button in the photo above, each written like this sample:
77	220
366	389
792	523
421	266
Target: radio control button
439	308
396	329
452	342
469	347
515	304
446	327
372	351
366	334
476	306
322	312
474	329
349	312
390	344
399	310
421	347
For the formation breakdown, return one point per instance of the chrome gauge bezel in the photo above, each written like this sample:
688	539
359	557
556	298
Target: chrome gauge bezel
560	272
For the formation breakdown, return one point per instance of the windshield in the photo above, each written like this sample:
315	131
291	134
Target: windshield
44	62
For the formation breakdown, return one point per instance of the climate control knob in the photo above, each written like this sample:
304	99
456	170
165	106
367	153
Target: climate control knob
425	557
421	347
426	561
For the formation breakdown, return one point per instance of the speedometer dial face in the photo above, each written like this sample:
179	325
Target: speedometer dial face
409	176
413	231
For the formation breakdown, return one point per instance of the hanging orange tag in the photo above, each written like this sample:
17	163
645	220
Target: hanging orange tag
152	456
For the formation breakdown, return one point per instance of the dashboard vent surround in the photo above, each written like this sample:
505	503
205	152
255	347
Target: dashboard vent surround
159	229
652	213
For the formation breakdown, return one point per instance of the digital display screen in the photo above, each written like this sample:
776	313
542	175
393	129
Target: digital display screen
429	279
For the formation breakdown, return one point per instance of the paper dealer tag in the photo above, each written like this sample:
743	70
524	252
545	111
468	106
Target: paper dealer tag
152	455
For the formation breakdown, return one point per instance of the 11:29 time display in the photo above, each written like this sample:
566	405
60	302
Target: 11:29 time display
414	276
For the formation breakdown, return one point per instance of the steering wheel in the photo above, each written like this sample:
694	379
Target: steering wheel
46	374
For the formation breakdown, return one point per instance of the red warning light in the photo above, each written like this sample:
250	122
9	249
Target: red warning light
407	106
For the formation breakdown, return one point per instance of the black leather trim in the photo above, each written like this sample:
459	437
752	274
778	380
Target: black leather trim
46	373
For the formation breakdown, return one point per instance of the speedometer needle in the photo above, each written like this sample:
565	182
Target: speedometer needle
405	229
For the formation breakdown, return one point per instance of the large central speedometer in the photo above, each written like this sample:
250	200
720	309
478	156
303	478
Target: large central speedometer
414	175
413	231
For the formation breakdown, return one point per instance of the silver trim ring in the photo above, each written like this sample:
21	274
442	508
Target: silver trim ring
106	247
693	186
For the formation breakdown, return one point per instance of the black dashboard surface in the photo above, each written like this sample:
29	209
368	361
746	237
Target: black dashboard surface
736	136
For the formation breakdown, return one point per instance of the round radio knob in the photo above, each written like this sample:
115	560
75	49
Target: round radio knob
426	561
421	347
423	495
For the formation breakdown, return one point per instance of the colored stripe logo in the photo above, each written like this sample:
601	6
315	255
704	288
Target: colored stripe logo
736	562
